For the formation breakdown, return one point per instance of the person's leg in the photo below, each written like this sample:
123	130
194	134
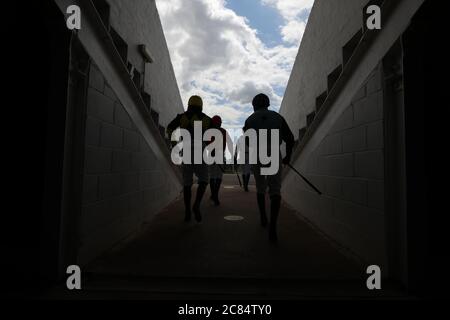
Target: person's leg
246	178
187	191
261	186
202	174
218	182
217	189
214	175
245	172
211	187
211	180
198	199
261	198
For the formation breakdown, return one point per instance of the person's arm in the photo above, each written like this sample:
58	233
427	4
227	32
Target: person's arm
173	125
236	150
228	143
288	138
207	125
245	126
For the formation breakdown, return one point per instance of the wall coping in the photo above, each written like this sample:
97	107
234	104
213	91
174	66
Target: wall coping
99	45
373	46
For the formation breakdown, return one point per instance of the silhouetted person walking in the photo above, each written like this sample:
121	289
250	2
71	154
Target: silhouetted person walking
242	152
216	169
263	118
186	121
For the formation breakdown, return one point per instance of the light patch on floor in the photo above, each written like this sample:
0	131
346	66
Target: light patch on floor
234	218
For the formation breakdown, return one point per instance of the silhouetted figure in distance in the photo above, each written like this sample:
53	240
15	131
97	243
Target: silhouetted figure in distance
216	170
245	167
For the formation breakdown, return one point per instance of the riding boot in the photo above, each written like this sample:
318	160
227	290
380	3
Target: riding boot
214	190
198	199
261	198
275	203
187	193
246	179
211	186
218	182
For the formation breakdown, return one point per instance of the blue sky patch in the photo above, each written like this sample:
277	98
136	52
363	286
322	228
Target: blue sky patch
265	19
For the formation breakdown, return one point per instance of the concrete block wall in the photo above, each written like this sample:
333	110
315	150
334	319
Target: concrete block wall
348	167
331	25
123	183
138	23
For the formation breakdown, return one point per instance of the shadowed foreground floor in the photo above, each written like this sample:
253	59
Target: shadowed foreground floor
220	259
169	247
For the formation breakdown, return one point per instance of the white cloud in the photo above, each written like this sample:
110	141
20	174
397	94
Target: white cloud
217	55
293	31
295	14
290	9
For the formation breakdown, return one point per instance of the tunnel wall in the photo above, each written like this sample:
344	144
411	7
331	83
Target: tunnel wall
348	124
331	25
138	22
124	184
348	164
348	167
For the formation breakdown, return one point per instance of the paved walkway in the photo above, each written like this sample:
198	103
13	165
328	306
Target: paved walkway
217	248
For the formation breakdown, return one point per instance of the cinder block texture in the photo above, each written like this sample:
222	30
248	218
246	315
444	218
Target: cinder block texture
348	167
122	184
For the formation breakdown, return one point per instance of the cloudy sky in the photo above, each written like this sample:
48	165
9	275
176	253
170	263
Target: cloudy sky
229	50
